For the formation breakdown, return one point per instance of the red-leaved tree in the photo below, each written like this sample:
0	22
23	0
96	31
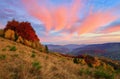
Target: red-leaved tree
23	29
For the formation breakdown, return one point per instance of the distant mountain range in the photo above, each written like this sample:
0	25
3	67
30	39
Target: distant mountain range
63	48
58	48
111	50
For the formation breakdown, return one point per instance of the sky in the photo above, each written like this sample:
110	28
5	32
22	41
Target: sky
66	21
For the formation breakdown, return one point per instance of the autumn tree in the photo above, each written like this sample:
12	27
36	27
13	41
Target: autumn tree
23	29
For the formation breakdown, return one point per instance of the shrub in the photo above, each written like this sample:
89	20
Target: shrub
36	65
13	48
92	61
90	65
16	37
106	67
88	72
82	61
76	60
103	74
81	71
33	55
9	34
2	57
110	68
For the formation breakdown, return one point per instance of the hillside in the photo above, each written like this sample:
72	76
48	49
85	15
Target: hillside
21	62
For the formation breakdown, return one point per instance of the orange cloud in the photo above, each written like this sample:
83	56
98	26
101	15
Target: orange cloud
60	18
57	17
96	20
42	13
66	17
112	29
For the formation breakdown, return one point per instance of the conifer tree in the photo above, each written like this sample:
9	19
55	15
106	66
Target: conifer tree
46	48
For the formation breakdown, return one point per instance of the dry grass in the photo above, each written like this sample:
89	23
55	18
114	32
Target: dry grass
18	64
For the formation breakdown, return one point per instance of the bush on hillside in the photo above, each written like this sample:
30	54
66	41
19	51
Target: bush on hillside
103	74
76	60
10	34
13	48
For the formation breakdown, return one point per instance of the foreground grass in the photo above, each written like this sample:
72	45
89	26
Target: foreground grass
27	63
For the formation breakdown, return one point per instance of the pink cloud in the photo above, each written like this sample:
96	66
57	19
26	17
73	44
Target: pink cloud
73	15
112	29
42	13
58	18
61	17
95	21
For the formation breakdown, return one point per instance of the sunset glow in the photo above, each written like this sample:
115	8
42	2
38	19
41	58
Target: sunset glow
67	21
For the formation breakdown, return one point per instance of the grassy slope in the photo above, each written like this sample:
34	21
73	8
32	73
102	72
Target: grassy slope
27	63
